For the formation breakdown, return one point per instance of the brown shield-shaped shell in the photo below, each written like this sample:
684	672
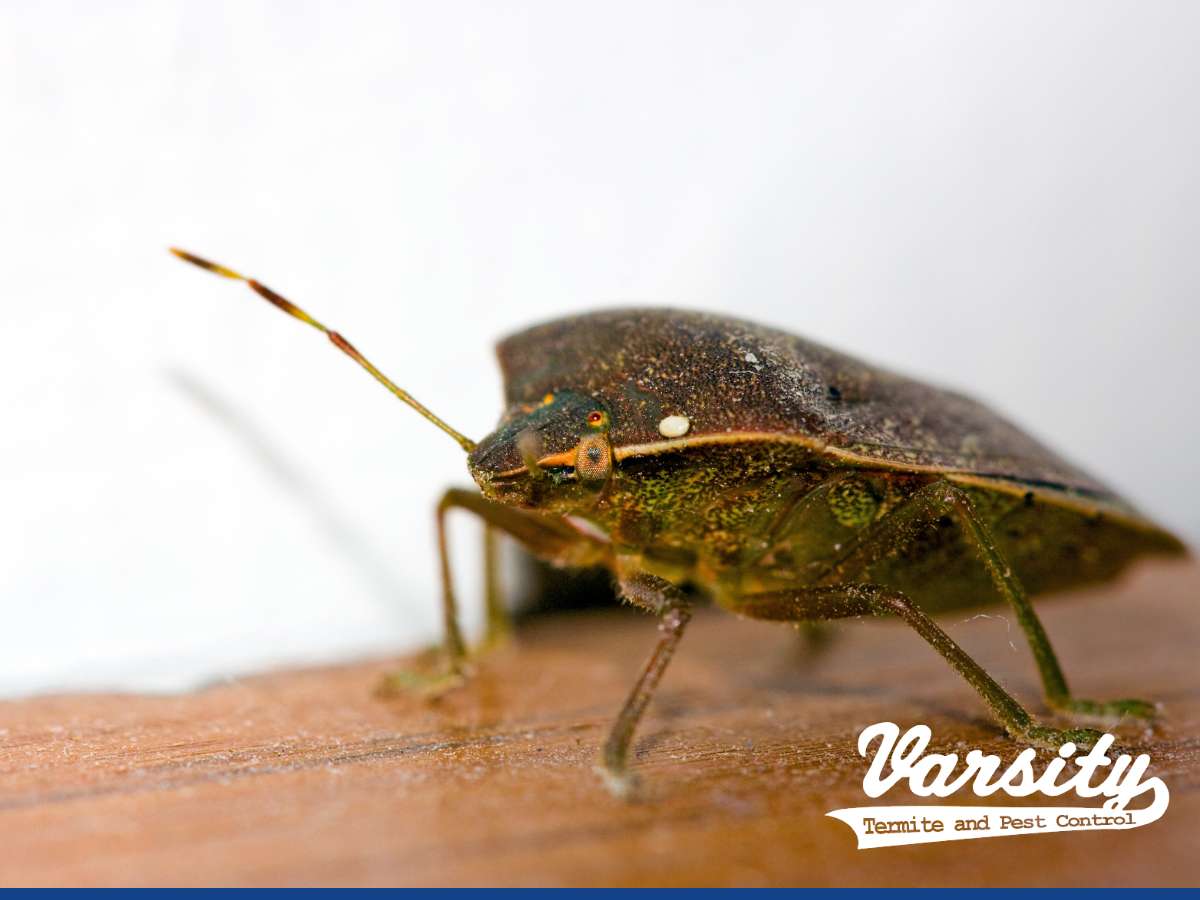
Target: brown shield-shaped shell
735	381
729	376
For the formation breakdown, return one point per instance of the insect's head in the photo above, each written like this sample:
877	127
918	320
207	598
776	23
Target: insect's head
552	454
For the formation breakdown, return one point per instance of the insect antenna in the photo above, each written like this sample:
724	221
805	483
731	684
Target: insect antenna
336	339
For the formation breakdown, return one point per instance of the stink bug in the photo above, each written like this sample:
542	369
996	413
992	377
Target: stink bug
693	454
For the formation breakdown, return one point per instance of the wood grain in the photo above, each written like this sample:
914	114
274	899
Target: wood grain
305	778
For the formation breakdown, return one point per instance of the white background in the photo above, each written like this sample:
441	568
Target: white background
999	196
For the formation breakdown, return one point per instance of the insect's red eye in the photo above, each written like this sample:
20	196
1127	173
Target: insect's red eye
595	418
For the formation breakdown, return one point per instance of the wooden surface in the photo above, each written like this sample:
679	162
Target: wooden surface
304	778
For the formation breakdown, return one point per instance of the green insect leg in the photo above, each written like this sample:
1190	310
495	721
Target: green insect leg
547	537
923	510
847	600
1054	683
661	597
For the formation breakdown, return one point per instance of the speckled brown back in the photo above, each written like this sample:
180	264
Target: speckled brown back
726	375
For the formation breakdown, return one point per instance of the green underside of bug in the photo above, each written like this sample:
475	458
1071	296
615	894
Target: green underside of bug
734	518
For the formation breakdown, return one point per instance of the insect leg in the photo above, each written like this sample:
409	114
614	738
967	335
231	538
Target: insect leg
841	601
1054	683
547	537
923	510
663	598
498	621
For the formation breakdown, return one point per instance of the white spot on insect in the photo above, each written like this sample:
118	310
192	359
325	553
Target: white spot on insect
674	426
752	358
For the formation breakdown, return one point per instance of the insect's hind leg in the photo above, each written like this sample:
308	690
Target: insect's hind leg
923	509
846	600
1054	683
547	537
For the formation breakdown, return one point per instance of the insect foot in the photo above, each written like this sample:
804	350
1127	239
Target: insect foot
1053	738
623	784
1110	713
426	685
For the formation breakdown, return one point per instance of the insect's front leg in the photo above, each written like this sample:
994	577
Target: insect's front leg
497	622
923	510
547	537
659	596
